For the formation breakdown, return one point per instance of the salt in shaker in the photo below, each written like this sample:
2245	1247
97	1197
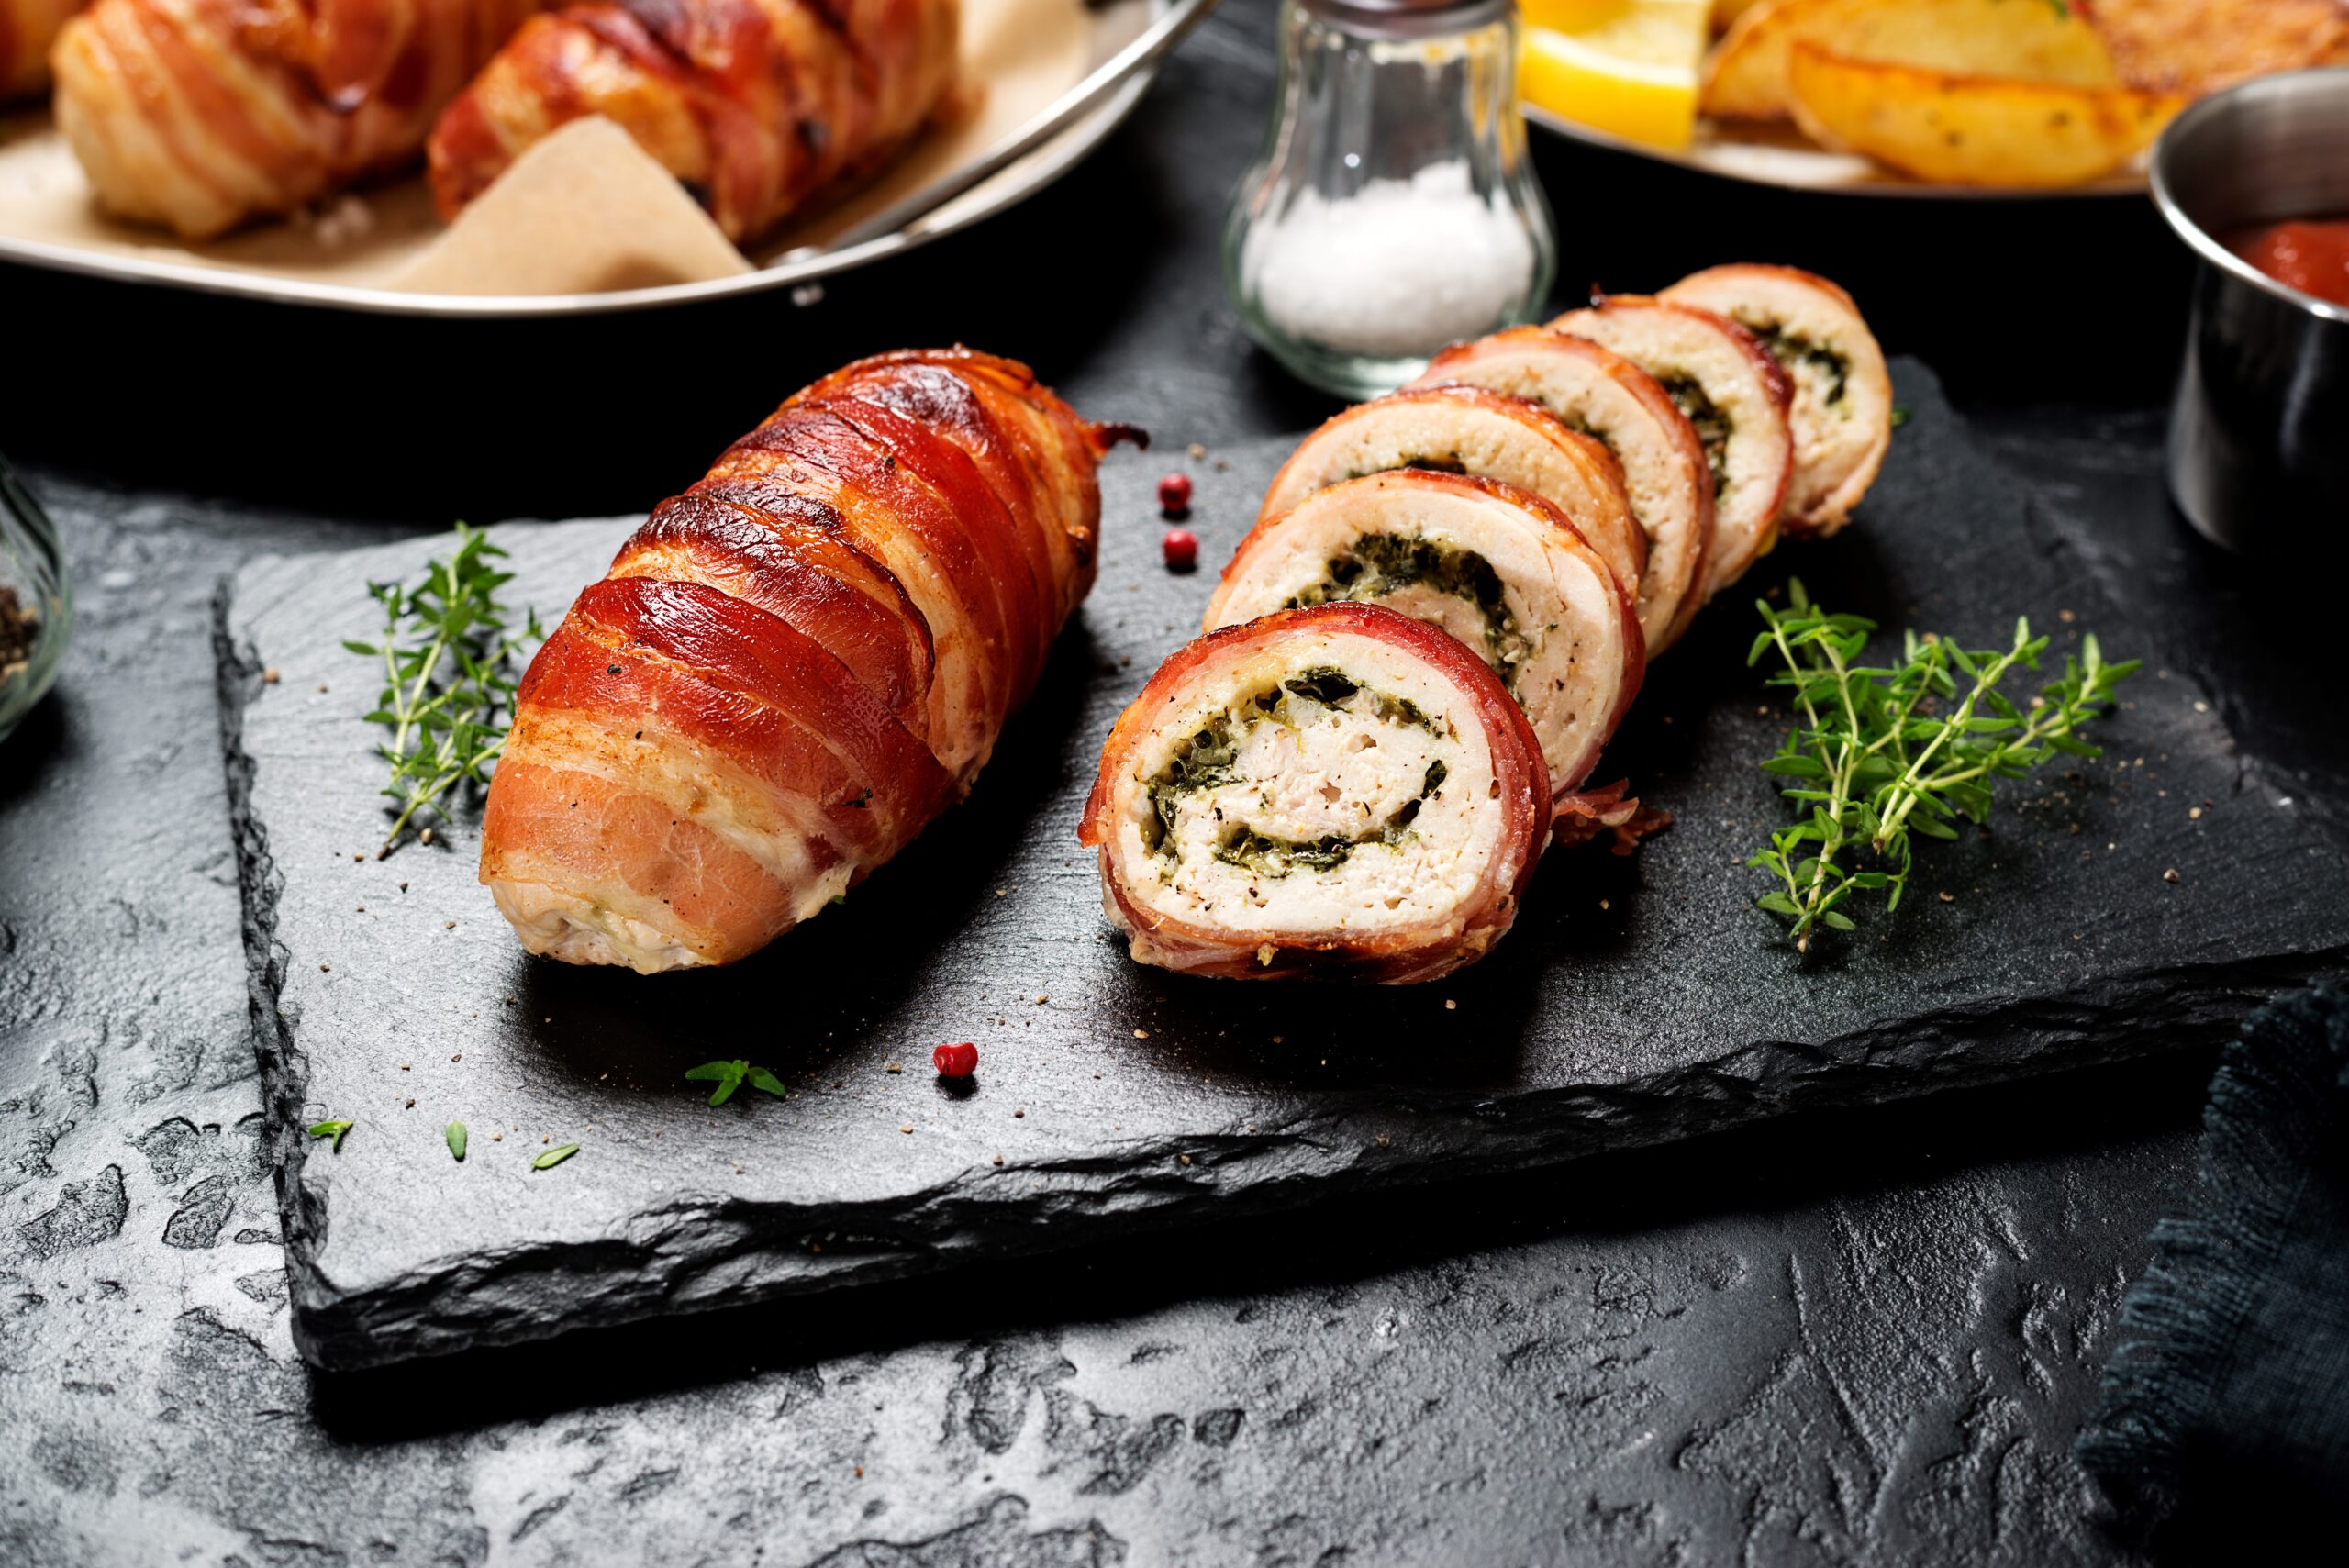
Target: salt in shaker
1391	211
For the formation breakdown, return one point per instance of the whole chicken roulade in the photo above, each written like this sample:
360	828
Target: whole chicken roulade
793	667
753	105
200	114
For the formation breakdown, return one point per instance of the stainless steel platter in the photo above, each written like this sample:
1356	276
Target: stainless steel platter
1048	115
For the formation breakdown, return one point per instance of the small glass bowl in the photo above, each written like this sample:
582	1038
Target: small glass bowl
32	585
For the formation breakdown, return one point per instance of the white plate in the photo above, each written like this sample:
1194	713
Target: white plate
1765	155
1028	55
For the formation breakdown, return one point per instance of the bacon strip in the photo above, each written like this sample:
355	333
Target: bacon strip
790	670
756	106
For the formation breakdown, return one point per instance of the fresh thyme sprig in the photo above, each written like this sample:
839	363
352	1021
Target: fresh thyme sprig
1883	752
449	678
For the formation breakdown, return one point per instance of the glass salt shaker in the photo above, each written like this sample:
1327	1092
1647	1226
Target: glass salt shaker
1391	211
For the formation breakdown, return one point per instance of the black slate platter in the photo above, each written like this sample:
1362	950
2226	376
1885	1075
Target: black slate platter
1637	1000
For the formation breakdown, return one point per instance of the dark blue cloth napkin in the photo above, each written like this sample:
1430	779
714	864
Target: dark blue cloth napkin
2225	1410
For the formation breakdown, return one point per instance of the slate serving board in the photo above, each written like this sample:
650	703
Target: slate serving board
1637	1001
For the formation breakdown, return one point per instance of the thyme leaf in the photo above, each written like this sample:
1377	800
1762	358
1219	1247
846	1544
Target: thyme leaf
337	1130
731	1075
555	1156
456	1136
1885	753
449	679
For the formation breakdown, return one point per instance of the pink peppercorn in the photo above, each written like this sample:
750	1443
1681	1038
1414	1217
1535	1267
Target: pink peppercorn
1174	494
956	1061
1181	546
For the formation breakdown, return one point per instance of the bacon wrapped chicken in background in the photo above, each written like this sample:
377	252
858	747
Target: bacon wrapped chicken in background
754	105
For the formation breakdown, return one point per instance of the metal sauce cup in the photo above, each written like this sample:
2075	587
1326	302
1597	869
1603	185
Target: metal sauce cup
2259	435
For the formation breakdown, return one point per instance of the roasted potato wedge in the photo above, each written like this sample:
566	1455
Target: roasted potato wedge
1971	131
2027	41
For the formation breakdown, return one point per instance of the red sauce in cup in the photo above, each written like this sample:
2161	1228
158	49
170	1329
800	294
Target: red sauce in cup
2311	254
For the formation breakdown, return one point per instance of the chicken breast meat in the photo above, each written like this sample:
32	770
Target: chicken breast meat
1500	569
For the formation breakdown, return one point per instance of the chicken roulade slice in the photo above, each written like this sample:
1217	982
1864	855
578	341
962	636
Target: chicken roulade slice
1592	390
1466	429
1339	791
1499	568
1733	392
1843	407
793	667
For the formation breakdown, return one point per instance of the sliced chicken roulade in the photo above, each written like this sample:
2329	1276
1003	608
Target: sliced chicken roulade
1593	390
1733	392
1339	791
1499	568
1842	394
1466	429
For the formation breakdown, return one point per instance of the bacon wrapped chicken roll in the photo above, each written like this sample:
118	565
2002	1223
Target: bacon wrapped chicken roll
791	668
1663	462
1466	429
26	29
1339	791
1735	396
1499	568
1842	394
754	105
200	114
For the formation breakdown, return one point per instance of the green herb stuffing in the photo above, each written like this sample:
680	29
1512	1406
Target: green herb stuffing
1885	751
1203	761
1431	463
1713	424
1792	349
1377	565
1268	856
1207	758
449	678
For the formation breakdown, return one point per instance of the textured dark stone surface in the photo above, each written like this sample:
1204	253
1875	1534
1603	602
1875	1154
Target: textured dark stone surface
1960	1256
1636	1002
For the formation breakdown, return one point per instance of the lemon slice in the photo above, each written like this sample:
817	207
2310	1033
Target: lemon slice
1626	67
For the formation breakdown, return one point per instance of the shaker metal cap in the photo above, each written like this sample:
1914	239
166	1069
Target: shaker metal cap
1406	18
